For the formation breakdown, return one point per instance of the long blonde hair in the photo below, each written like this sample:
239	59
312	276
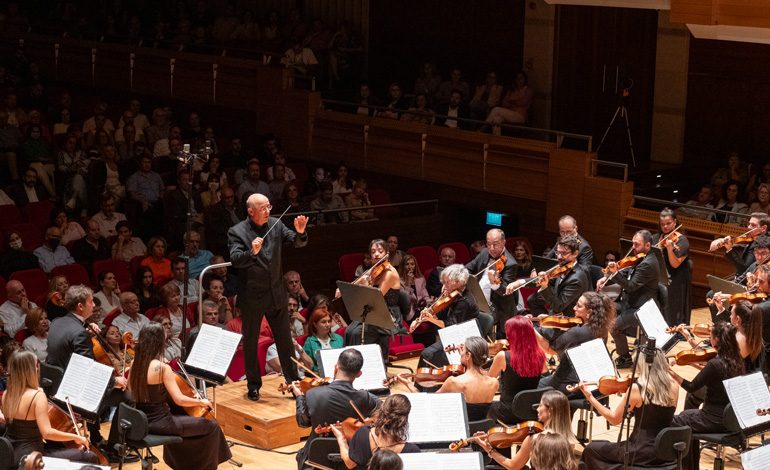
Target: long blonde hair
22	376
560	420
655	380
552	451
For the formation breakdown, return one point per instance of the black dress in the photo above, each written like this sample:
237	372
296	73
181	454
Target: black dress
512	383
204	446
361	452
679	289
649	419
477	411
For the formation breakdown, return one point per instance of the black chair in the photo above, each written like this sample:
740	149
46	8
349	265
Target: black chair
482	425
324	451
135	434
671	444
732	437
662	297
525	403
7	459
585	429
54	375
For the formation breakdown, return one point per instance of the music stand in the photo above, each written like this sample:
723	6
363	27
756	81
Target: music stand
477	292
724	286
367	305
543	264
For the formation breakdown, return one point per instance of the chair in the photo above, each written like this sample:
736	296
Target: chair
75	274
134	433
35	281
53	374
403	346
662	297
9	215
320	449
134	264
30	234
7	458
22	334
525	403
462	255
426	256
39	213
348	264
111	317
671	445
117	267
732	437
380	197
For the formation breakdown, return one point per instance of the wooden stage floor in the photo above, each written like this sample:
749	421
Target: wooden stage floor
278	410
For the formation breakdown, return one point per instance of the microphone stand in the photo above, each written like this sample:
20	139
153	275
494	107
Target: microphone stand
626	411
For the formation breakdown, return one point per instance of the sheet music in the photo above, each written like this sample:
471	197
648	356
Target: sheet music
214	349
591	361
437	417
443	460
456	335
53	463
653	324
84	383
755	459
747	393
372	373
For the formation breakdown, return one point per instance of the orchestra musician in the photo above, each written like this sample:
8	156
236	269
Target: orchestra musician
640	284
464	308
553	411
652	400
153	384
120	354
598	314
328	404
747	319
260	289
676	248
763	286
725	365
494	283
389	284
568	227
25	408
520	368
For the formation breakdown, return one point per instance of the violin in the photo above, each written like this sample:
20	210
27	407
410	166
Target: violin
349	427
627	262
701	329
305	384
553	273
441	304
429	375
749	296
57	298
500	436
694	356
607	385
377	270
500	264
672	235
61	421
493	347
558	321
742	239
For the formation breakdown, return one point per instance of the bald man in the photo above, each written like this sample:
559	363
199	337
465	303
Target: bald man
568	226
14	311
257	257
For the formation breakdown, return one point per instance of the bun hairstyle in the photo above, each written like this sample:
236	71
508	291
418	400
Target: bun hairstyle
478	349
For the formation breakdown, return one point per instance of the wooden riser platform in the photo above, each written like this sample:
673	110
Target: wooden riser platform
267	423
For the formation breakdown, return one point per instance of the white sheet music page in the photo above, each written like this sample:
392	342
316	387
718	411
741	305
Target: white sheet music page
456	335
747	393
443	460
437	417
653	323
53	463
372	373
84	383
214	349
755	459
591	361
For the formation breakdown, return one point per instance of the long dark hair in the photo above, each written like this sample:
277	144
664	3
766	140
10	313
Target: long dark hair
151	345
393	417
602	313
727	348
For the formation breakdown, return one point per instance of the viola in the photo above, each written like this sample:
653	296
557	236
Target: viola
558	321
377	270
441	304
61	421
500	436
607	385
349	427
430	375
100	348
627	262
694	356
305	384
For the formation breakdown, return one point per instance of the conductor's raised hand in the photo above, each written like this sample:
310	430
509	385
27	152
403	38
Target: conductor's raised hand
300	223
256	245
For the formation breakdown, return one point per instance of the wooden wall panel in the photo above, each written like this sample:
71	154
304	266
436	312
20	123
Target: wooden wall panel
606	203
339	136
334	12
395	147
454	158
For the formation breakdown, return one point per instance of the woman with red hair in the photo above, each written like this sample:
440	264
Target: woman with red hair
520	367
320	335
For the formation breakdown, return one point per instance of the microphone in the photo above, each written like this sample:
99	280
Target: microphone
649	350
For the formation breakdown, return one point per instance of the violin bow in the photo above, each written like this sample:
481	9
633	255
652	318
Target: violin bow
491	263
308	370
431	364
276	222
358	412
660	242
123	365
616	272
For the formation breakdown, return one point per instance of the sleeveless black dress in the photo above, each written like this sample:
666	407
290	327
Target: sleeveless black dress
203	447
512	383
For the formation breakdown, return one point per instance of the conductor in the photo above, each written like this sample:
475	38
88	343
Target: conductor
255	251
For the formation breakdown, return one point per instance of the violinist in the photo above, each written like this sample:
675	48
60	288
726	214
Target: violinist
520	368
54	304
390	431
675	247
386	279
69	335
37	323
464	308
493	282
331	403
727	364
598	314
747	319
568	226
477	387
763	286
154	386
121	355
640	284
130	319
25	407
652	400
553	411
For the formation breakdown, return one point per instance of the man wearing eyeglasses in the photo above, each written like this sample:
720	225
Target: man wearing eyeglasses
568	226
256	254
494	283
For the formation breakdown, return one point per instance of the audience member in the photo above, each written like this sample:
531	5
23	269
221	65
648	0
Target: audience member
127	246
328	201
428	81
359	198
210	317
13	312
291	197
145	188
219	218
178	265
320	335
70	230
455	83
342	183
181	203
313	184
171	305
54	304
107	218
252	184
92	247
229	280
300	58
215	292
130	319
211	194
762	203
37	342
367	102
145	290
297	322
30	190
413	283
736	171
395	256
72	165
704	198
278	184
172	348
38	155
515	106
434	285
196	257
729	202
16	258
487	96
52	254
294	288
396	103
109	292
157	261
108	176
452	112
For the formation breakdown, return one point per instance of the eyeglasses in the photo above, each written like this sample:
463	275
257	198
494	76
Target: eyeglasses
266	208
496	243
562	252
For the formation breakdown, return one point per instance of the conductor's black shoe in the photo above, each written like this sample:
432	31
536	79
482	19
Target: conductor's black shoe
624	362
253	395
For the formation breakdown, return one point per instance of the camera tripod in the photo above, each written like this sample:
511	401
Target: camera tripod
621	111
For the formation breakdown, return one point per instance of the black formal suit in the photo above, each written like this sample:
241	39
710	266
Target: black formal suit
462	310
743	259
585	255
562	293
504	306
261	291
176	206
85	253
218	221
434	285
638	287
19	195
328	404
